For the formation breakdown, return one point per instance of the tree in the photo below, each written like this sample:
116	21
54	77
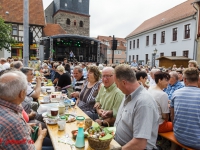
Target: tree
5	35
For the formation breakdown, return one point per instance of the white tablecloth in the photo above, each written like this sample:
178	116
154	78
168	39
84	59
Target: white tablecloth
52	88
46	107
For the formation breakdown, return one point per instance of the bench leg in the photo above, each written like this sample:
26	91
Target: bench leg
173	146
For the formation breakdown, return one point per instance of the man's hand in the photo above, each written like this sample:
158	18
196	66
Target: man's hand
107	114
30	126
75	94
42	132
32	115
98	121
97	105
39	79
99	112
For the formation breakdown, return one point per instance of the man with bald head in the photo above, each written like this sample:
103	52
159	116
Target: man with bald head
14	131
174	84
108	99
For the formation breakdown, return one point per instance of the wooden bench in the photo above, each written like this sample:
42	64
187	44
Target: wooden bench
170	136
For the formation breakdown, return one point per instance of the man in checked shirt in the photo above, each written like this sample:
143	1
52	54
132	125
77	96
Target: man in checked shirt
14	131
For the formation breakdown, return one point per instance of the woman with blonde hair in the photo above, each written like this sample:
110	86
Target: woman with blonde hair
64	79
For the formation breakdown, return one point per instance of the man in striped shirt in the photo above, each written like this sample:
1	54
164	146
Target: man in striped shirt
78	75
185	114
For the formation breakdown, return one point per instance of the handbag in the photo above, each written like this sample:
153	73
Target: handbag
34	135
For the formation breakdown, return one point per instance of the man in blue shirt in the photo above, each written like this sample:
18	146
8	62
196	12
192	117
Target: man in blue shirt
185	114
134	64
173	85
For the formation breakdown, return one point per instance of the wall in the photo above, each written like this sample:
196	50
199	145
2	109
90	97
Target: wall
119	57
61	18
169	46
49	11
4	54
77	6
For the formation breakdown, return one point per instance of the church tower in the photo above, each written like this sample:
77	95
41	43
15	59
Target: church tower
72	15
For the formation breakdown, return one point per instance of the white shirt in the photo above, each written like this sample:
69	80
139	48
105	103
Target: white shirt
6	65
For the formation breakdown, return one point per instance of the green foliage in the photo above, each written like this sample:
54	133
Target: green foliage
5	35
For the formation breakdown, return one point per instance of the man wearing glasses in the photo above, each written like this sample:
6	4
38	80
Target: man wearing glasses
32	93
108	99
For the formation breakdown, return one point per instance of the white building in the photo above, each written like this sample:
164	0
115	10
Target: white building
172	33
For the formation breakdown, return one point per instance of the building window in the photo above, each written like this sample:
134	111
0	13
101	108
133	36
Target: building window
117	52
138	42
75	22
133	43
147	40
137	58
116	61
187	31
118	43
68	21
146	58
124	44
161	54
130	44
133	57
154	39
129	58
185	53
14	30
173	53
174	38
163	37
108	51
81	24
107	43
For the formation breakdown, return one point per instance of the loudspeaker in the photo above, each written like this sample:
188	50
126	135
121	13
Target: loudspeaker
114	45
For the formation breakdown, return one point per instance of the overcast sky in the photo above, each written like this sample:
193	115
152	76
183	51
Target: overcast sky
121	17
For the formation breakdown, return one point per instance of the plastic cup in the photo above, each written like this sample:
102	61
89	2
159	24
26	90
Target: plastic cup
88	123
61	124
61	109
46	98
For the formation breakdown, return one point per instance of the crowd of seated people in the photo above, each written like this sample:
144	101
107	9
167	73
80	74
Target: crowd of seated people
137	100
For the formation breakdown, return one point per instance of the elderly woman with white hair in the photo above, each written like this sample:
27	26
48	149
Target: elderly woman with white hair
46	71
65	78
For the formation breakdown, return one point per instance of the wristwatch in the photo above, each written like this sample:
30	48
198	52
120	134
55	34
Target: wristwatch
102	122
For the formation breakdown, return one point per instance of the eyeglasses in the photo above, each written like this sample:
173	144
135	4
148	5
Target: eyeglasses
30	74
107	76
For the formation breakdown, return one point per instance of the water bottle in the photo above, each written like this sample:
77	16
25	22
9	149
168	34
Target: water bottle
80	140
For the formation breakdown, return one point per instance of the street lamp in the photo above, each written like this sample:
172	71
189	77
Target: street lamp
154	57
155	51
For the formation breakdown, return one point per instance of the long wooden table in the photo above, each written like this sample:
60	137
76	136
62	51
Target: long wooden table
55	134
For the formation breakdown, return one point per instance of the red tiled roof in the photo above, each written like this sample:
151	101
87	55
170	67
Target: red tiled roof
53	29
176	13
109	38
15	9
